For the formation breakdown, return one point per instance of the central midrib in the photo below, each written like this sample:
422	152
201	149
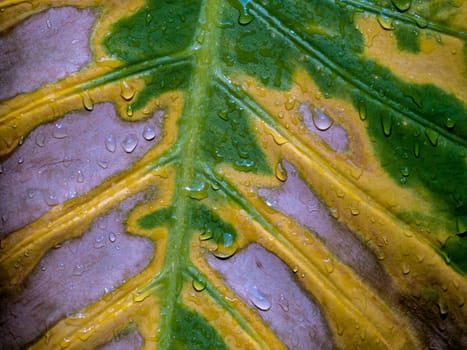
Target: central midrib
205	56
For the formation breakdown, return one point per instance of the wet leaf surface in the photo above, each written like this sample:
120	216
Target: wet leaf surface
212	174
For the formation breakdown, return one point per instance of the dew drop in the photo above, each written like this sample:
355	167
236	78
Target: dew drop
40	140
385	22
320	120
149	133
450	123
20	160
443	309
205	235
199	283
112	237
129	111
283	303
405	269
60	131
129	143
432	136
354	211
405	171
51	200
148	18
110	143
226	246
280	172
416	150
362	111
199	191
87	102
419	21
80	176
245	16
103	164
260	300
295	269
289	103
386	122
127	92
402	5
99	242
329	265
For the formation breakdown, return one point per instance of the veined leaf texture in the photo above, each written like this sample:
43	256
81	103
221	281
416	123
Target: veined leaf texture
233	174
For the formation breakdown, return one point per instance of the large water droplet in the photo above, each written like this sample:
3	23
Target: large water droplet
129	143
385	22
60	131
110	143
199	191
259	299
127	92
199	283
386	122
149	133
245	16
432	136
280	172
226	246
320	120
402	5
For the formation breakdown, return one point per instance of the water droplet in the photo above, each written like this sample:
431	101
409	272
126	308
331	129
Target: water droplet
402	5
110	143
103	164
80	176
260	300
226	246
419	21
432	136
385	22
139	296
280	172
148	18
443	308
149	133
386	122
127	92
112	237
40	140
20	160
354	210
283	303
320	120
60	131
129	111
205	235
99	242
289	103
87	102
362	111
405	171
405	268
66	342
129	143
199	283
329	265
461	225
51	200
450	123
295	269
199	191
416	150
245	16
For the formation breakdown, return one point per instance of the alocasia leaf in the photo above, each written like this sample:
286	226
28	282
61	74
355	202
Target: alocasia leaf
358	106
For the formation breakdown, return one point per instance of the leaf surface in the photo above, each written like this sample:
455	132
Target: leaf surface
362	102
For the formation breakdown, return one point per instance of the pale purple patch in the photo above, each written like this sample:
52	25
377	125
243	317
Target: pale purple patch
68	157
264	282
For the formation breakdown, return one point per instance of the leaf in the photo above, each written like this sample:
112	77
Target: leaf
360	104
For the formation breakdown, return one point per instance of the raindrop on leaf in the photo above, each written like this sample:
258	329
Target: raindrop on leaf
259	299
129	143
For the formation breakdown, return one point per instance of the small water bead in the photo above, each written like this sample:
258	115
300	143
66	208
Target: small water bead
416	150
87	102
386	122
127	92
245	17
385	22
129	143
103	164
450	123
226	246
283	303
402	5
80	176
51	200
20	160
432	136
320	120
129	111
405	171
149	133
205	235
259	299
362	111
199	191
40	140
99	242
199	283
280	172
111	143
112	237
60	131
